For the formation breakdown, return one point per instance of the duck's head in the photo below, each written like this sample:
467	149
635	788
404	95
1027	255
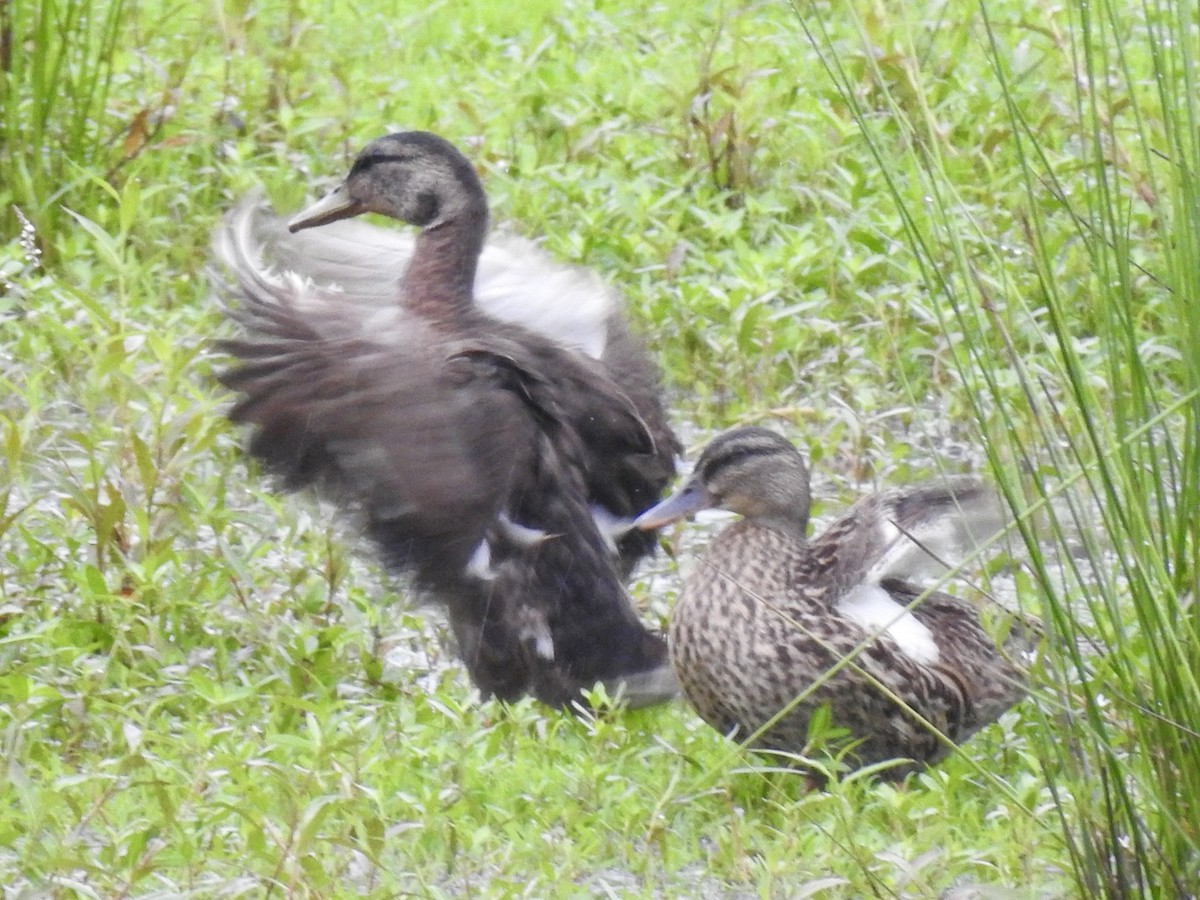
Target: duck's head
751	471
413	176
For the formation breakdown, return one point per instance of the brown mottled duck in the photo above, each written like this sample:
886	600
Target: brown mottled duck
483	411
767	613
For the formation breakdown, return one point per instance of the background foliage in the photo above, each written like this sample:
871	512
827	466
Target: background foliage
957	236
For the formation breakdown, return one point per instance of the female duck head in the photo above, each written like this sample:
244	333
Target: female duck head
413	176
751	471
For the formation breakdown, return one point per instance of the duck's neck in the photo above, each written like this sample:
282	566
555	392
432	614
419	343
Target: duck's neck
753	550
439	280
788	517
787	525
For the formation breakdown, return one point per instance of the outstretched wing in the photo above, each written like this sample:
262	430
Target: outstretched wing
467	459
910	532
517	284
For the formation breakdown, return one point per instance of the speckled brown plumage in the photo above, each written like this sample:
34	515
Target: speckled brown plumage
760	620
484	454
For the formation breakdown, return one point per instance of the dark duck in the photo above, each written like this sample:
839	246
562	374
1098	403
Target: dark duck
484	412
768	614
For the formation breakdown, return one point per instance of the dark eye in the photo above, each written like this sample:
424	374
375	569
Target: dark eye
425	208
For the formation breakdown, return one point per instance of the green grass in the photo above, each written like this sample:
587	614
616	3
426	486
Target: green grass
913	240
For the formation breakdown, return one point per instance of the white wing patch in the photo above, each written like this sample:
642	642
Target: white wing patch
929	546
521	535
516	280
611	526
480	564
906	558
873	608
519	282
533	630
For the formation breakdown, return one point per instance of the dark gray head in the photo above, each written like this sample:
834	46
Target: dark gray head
413	176
751	471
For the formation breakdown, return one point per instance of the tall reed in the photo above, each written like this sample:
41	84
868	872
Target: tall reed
1075	323
57	66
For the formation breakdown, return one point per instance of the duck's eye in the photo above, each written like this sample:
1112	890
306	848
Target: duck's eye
425	208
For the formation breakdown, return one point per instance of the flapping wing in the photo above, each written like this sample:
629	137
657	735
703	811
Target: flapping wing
375	411
910	532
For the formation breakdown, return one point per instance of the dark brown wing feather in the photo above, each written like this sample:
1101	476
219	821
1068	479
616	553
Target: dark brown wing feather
628	484
357	419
